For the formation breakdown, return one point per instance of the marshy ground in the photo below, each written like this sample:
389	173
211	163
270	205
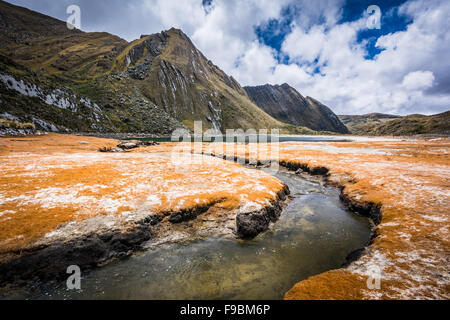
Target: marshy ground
59	188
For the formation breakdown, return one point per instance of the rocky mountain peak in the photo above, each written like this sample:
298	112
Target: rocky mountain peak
91	81
286	104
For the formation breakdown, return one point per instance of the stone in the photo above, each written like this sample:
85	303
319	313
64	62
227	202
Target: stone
148	143
111	150
128	145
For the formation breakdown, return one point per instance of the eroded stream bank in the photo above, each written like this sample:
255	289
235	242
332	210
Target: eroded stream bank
314	234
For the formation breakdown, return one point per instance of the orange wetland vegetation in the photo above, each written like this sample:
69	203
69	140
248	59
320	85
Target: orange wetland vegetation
410	180
49	181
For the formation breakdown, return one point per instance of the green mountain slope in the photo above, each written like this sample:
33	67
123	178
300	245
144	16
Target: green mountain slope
377	124
361	124
63	80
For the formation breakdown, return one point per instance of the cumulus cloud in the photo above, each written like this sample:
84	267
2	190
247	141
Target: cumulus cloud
327	62
418	80
393	81
321	56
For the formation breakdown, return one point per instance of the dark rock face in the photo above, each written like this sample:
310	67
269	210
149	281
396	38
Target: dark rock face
251	224
12	132
367	209
50	262
187	215
125	146
128	145
285	104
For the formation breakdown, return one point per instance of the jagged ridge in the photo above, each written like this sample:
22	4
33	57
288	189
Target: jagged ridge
286	104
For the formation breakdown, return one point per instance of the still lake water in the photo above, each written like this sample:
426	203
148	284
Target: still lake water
251	139
314	234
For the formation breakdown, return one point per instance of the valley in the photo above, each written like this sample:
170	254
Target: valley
159	176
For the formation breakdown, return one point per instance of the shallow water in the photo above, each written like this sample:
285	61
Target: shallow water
313	235
249	139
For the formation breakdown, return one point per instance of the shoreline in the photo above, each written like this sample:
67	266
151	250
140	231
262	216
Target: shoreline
144	236
367	209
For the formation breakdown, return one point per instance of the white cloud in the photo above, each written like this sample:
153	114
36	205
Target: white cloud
227	35
349	83
418	80
393	82
305	46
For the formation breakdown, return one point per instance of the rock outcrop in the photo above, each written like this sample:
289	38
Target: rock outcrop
9	126
286	104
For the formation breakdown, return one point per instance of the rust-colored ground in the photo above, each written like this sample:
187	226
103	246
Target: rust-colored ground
49	181
411	180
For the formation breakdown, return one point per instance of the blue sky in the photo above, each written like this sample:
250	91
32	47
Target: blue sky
323	48
274	31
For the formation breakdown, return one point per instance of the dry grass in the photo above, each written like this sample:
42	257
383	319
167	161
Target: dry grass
410	179
49	181
11	124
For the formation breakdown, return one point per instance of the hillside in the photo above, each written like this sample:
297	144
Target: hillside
71	81
413	125
286	104
381	124
360	124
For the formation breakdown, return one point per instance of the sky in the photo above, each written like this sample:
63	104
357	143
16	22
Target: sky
327	49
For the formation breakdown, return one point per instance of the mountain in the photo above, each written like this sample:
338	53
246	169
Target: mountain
410	125
377	124
361	124
286	104
68	80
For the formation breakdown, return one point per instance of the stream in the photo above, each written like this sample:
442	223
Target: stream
314	234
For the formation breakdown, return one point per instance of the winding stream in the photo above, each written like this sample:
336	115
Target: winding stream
314	234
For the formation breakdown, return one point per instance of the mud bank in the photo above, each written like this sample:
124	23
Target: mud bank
223	267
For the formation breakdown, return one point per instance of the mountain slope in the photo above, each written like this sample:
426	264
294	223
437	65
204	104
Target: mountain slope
63	80
413	125
361	124
377	124
175	75
284	103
